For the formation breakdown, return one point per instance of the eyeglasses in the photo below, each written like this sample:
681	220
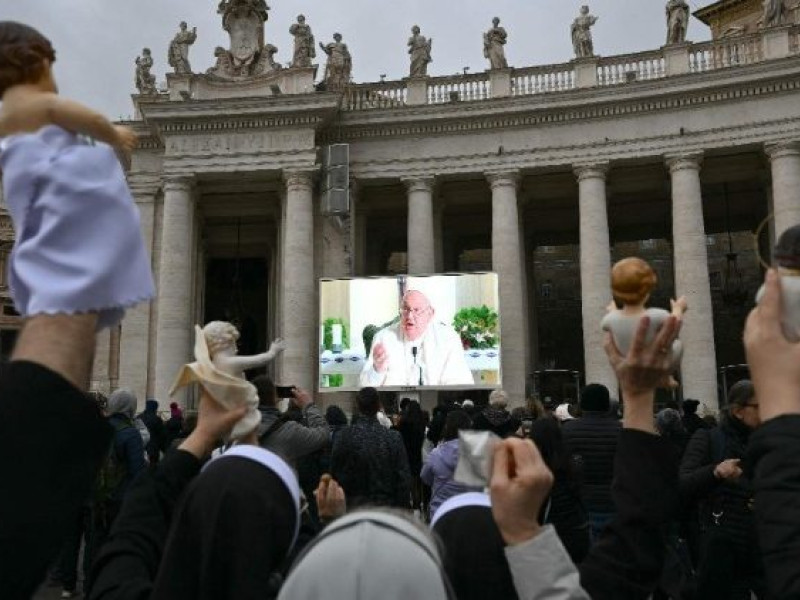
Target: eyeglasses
416	312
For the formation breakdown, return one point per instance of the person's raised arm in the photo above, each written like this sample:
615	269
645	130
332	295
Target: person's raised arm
628	559
128	562
520	484
774	448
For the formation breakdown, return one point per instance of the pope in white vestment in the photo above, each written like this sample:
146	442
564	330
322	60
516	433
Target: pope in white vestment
416	351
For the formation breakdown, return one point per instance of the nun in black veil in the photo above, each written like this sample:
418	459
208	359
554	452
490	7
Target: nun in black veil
222	534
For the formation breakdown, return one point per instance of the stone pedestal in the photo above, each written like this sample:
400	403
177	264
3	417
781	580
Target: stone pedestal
776	42
175	323
676	58
417	91
507	263
586	71
699	365
298	290
500	82
595	271
205	87
421	240
785	161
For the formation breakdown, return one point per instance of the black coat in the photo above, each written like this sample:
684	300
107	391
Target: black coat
774	453
370	463
592	442
693	423
158	432
626	561
731	501
52	440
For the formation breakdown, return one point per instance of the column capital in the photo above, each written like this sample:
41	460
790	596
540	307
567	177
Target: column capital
684	161
419	184
782	149
178	183
596	170
299	179
510	178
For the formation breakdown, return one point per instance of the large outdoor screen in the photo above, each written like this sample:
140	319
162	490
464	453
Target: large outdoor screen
431	332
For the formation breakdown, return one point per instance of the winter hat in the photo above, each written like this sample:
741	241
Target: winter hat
151	405
595	397
122	402
175	411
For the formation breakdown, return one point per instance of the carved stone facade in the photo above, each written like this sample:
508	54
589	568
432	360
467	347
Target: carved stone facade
568	168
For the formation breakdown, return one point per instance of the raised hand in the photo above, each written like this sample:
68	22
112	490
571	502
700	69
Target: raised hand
644	368
774	361
380	358
519	486
214	422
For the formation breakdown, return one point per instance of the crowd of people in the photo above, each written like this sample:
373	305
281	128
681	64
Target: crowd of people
308	505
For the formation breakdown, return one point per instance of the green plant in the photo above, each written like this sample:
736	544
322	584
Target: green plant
477	326
327	340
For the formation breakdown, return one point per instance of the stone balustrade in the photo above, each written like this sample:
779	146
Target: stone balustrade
542	79
724	53
642	66
668	61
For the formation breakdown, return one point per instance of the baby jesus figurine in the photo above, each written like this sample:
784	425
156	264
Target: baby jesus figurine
632	281
787	257
220	370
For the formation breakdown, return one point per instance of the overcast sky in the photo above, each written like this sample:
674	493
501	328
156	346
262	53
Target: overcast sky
97	40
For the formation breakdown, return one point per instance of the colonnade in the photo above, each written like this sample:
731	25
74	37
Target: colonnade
297	297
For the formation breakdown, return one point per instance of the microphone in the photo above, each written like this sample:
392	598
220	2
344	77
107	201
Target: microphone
414	351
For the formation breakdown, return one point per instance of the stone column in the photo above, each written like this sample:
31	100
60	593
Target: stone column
507	263
174	324
595	251
298	289
421	240
785	160
699	365
134	348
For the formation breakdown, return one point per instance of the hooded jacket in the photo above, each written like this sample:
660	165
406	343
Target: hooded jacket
438	473
293	440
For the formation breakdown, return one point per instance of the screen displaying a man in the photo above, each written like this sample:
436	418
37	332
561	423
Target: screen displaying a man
416	351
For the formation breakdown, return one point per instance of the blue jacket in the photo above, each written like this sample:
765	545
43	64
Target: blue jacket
129	449
438	473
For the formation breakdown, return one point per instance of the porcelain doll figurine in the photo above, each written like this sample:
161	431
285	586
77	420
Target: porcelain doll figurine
787	259
632	282
78	244
220	370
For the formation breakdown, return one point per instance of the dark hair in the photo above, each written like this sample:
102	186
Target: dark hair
456	421
335	416
265	388
741	393
22	52
368	401
404	402
546	434
595	397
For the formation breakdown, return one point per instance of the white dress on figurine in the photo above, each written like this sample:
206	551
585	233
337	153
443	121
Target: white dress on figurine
623	328
228	390
790	296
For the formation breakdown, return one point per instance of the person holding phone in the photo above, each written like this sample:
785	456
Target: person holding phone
289	439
